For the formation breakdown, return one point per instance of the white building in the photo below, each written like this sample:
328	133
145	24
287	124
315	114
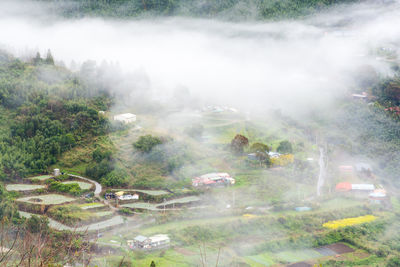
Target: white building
129	197
152	242
363	187
125	118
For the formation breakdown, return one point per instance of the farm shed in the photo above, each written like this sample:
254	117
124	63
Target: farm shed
363	187
343	187
221	178
128	197
152	242
125	118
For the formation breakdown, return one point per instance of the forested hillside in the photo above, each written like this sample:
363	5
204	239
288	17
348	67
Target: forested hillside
229	9
46	110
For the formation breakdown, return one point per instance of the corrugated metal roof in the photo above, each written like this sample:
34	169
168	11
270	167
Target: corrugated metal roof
140	238
362	187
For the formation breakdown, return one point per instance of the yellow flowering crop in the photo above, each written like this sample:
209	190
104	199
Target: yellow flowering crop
282	160
349	221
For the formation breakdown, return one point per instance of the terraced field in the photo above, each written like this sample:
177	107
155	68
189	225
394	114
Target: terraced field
23	187
148	192
114	221
160	206
40	177
50	199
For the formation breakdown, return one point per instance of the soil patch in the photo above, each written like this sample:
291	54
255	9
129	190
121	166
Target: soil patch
340	248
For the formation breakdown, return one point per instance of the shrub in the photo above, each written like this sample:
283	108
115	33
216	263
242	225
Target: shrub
72	189
285	147
146	143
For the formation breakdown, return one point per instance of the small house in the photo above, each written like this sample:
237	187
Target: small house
362	187
213	179
141	242
125	118
148	243
378	196
129	197
343	187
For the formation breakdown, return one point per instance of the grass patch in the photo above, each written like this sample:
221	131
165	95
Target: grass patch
40	177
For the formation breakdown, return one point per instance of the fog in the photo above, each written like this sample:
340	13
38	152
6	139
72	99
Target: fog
290	65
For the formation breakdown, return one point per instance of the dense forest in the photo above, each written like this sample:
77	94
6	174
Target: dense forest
45	110
229	9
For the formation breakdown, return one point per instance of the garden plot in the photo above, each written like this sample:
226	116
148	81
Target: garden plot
82	185
298	255
40	177
148	192
50	199
23	187
141	205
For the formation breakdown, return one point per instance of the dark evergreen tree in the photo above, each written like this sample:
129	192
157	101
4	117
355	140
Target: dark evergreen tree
49	58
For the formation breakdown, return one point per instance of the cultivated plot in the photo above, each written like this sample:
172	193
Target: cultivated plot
50	199
40	177
23	187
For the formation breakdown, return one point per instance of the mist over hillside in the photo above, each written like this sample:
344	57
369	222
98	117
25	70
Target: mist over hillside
287	64
199	133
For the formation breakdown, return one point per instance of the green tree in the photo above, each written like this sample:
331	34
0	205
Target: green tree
146	143
36	224
152	264
259	147
49	58
117	177
285	147
37	59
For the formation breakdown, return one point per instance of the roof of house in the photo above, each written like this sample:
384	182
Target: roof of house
159	237
215	175
362	187
344	186
140	238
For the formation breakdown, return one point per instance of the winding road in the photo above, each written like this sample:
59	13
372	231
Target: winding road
98	188
97	191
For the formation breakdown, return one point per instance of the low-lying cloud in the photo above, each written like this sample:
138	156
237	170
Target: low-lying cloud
290	65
